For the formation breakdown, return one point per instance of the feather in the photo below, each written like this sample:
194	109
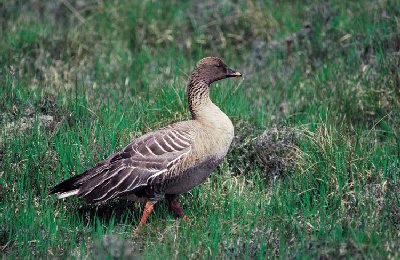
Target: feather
139	164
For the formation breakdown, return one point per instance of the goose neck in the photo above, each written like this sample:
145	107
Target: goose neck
198	97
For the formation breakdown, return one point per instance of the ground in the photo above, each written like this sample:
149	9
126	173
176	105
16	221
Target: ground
314	167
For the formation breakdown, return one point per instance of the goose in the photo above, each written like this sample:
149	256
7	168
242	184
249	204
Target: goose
166	162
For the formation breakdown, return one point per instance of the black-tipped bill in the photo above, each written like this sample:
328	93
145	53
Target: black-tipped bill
232	73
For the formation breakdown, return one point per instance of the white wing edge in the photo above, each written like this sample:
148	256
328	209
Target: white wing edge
67	194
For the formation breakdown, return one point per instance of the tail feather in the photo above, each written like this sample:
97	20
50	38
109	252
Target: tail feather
67	194
72	185
68	185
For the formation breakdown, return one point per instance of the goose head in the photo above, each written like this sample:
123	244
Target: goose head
211	69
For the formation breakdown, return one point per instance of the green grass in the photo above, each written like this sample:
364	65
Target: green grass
80	80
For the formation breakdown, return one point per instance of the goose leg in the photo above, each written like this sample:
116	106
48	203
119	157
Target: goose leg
175	207
148	208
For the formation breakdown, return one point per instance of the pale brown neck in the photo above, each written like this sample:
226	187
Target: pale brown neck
198	95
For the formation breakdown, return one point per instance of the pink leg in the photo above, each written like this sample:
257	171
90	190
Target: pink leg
176	208
146	213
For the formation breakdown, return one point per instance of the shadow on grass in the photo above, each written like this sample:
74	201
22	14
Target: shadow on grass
120	211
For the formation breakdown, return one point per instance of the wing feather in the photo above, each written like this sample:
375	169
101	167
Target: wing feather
145	162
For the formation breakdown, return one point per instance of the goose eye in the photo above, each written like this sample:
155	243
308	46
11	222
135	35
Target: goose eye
218	65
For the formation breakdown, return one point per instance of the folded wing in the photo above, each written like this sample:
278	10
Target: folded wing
152	158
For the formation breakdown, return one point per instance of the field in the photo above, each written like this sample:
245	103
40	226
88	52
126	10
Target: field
314	168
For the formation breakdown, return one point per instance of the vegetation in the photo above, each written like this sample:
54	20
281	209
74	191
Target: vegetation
80	79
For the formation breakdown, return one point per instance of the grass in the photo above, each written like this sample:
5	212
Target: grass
80	79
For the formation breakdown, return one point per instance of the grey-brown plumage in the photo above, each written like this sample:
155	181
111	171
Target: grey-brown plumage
168	161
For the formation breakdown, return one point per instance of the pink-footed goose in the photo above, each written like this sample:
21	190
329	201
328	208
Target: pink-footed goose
168	161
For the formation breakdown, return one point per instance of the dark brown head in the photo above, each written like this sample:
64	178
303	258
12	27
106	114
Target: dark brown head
212	69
